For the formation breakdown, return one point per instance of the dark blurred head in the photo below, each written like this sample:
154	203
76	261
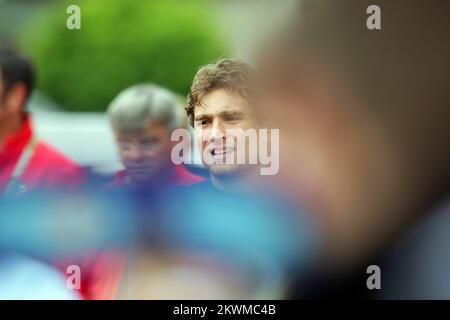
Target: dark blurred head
363	114
16	81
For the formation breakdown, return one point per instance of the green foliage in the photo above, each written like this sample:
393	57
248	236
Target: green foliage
121	43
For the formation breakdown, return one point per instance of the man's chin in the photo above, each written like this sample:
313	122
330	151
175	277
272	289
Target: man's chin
219	170
141	178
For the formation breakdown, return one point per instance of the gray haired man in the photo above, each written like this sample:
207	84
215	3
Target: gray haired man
143	118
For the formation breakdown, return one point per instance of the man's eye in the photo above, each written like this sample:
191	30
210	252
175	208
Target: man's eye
233	118
126	146
150	141
149	144
203	122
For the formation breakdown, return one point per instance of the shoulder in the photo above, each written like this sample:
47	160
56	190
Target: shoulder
46	154
186	178
48	165
119	180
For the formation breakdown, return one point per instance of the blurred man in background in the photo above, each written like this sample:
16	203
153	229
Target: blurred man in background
26	162
143	118
364	124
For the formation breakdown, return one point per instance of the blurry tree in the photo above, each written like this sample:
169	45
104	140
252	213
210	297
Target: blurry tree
120	43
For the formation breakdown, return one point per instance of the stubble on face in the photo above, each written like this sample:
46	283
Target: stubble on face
219	120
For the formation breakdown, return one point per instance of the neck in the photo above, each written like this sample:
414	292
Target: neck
9	127
160	180
237	182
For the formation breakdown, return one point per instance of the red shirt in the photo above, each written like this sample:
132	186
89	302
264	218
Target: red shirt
180	177
46	167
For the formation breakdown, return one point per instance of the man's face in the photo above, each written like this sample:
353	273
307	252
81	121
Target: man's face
146	153
216	121
12	101
5	111
2	97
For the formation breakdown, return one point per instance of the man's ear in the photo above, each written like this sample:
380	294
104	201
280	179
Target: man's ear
16	97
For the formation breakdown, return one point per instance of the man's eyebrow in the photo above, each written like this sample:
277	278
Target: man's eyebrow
201	116
232	112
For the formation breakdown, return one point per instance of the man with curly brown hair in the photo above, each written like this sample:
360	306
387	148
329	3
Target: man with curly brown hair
220	111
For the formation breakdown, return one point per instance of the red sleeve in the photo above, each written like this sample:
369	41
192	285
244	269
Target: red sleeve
50	168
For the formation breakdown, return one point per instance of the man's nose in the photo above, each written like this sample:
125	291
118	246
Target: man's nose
135	153
217	132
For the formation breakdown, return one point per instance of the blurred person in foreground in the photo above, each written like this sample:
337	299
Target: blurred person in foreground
364	118
25	161
143	118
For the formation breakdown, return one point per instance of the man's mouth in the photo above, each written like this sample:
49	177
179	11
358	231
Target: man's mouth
138	169
220	152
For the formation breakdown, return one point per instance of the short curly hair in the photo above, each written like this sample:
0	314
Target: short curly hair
231	74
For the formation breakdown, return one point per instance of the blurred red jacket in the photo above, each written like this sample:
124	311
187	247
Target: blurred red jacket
45	166
27	163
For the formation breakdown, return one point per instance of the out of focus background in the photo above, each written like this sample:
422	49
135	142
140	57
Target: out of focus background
121	43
